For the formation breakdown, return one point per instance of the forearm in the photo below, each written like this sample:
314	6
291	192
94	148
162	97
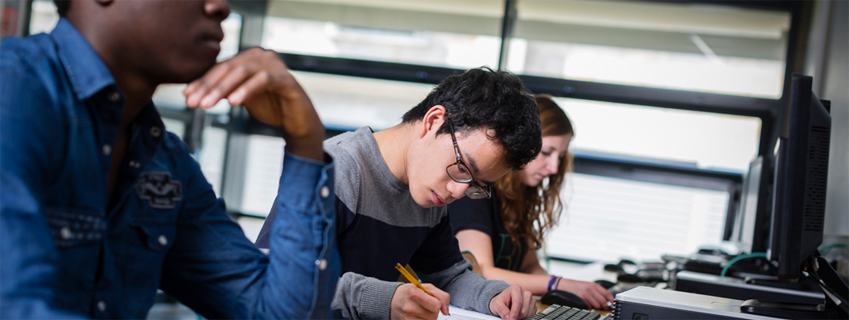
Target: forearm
215	270
361	297
302	242
537	284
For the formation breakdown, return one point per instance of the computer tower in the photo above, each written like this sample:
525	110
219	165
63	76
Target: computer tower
646	303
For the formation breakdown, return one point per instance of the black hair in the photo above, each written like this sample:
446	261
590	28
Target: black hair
62	6
485	99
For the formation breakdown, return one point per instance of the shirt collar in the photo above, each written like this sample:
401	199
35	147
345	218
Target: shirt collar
86	71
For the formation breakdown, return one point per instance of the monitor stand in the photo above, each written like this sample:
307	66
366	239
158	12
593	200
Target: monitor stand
831	310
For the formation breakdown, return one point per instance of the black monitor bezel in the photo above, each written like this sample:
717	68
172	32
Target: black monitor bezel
798	206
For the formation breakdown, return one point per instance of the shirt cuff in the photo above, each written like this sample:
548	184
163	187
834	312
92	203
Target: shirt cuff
303	179
376	299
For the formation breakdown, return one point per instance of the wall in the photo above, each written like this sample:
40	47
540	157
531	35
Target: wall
828	62
834	86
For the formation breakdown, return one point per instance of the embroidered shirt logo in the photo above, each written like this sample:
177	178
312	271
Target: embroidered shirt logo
159	190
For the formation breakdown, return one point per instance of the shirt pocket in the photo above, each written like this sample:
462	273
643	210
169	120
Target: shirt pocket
146	246
75	227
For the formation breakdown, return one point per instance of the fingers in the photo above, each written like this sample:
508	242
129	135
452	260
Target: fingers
516	301
199	90
597	297
595	300
508	304
608	297
443	297
500	308
410	302
425	301
227	79
259	80
529	308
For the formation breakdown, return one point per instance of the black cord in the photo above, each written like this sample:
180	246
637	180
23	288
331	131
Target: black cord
830	293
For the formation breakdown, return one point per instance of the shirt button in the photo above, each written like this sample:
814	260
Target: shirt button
322	264
163	240
155	132
66	233
134	164
101	305
107	149
324	192
114	97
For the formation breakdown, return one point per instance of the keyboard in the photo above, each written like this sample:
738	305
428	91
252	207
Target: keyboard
558	312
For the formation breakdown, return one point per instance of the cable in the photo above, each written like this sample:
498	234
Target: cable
836	298
828	291
828	248
741	257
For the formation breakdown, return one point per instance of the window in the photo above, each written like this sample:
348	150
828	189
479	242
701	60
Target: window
609	218
43	17
695	47
457	34
262	174
702	139
348	103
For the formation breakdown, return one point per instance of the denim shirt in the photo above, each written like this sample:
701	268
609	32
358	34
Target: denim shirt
68	250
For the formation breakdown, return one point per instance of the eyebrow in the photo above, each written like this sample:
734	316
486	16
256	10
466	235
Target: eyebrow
475	168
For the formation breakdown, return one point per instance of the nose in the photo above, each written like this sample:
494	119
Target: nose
457	189
218	9
552	165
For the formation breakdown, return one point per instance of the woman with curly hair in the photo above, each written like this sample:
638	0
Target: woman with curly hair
504	232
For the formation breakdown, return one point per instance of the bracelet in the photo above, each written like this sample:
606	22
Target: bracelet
556	284
551	282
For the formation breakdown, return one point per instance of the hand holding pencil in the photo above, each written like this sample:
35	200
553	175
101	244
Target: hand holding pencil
417	300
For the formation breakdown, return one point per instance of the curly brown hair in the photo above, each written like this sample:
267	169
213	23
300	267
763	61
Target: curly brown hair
528	212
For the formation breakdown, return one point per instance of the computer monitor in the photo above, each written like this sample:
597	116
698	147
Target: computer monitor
751	225
801	175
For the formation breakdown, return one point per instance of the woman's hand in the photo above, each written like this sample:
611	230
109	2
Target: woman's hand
593	294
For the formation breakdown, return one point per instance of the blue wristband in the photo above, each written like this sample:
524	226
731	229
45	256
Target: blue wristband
551	282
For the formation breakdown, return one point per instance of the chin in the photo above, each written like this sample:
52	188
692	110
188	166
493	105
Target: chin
190	71
424	204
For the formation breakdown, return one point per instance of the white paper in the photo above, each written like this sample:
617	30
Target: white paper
462	314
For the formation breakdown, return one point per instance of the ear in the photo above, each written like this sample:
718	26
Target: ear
433	120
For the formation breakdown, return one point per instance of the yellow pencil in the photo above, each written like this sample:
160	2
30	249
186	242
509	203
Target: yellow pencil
411	278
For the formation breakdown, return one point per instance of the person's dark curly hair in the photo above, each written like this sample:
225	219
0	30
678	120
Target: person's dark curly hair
485	99
62	6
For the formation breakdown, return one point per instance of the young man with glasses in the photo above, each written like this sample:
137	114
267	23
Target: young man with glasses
392	186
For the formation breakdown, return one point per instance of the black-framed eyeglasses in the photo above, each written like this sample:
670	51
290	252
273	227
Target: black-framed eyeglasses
458	171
